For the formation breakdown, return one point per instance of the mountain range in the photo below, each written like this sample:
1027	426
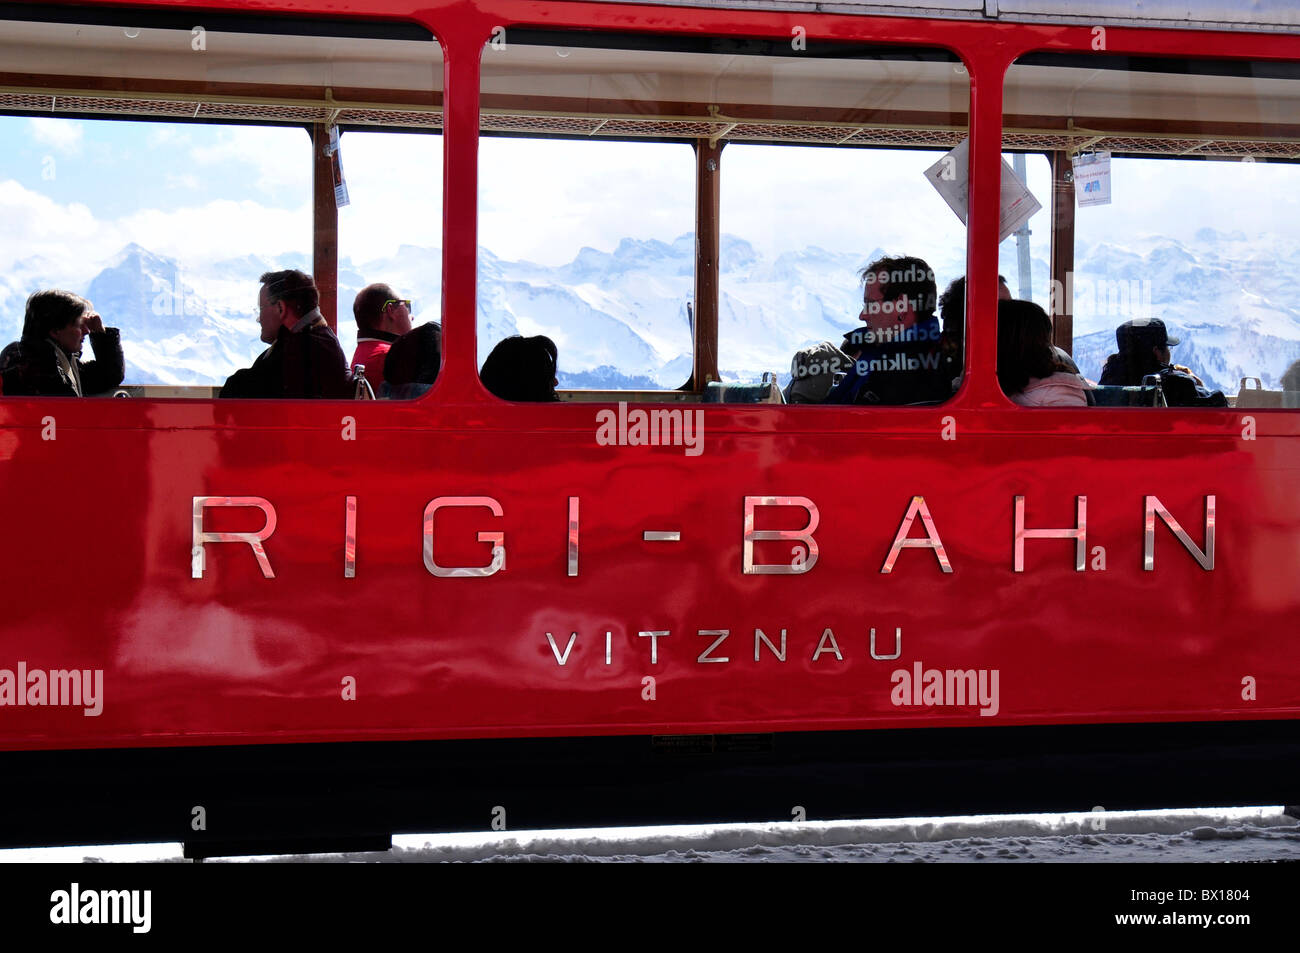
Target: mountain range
622	318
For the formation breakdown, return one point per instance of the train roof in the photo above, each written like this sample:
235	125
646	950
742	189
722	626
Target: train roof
887	97
1282	16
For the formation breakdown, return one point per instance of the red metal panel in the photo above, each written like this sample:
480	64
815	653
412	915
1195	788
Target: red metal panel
98	523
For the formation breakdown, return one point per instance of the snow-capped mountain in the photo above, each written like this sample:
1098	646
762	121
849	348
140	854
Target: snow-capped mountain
1232	302
622	318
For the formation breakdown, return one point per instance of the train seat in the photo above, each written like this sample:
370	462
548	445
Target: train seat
723	392
1109	395
1257	396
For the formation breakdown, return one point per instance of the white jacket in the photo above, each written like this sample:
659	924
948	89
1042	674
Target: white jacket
1062	389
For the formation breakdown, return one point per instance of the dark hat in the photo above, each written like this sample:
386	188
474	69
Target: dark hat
1143	332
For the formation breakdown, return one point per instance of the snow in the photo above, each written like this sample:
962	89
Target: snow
1171	836
621	317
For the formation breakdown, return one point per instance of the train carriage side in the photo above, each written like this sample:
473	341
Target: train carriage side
667	598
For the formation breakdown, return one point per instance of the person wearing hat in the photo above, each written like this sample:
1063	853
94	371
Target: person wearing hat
1144	345
1143	349
812	373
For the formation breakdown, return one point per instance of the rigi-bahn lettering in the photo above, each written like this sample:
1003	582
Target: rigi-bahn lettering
805	538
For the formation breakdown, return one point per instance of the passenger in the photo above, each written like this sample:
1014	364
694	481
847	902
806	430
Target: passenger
1028	369
46	362
952	340
381	318
1291	377
412	364
896	350
522	369
1144	350
952	309
304	359
812	373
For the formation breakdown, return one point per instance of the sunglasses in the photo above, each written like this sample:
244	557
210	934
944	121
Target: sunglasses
402	301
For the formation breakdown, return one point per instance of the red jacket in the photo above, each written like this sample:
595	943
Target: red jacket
370	352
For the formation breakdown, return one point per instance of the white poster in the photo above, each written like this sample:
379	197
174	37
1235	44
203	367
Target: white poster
1092	178
336	166
950	177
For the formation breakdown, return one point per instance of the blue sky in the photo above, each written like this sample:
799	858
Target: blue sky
149	165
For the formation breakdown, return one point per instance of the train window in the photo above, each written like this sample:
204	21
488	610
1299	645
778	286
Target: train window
158	169
1177	198
570	249
390	234
774	172
1023	256
170	253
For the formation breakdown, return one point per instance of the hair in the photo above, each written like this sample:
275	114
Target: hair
1137	360
910	277
295	288
1024	345
415	357
368	306
521	368
1291	377
952	308
51	311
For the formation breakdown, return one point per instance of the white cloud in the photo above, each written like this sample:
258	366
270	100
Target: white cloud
395	184
281	157
62	135
543	200
78	244
165	135
220	229
183	180
38	226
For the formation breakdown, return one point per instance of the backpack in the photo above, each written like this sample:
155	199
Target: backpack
1181	390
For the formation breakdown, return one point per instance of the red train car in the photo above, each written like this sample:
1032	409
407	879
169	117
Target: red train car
271	623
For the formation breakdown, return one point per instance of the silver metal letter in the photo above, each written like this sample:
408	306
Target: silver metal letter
898	644
1079	534
721	637
654	644
1153	508
931	541
804	535
496	539
350	538
573	536
760	637
198	558
562	659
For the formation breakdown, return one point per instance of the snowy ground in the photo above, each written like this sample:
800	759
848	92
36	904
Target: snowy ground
1212	835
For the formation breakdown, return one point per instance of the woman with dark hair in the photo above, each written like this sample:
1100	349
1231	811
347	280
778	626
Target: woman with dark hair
522	369
1027	366
46	362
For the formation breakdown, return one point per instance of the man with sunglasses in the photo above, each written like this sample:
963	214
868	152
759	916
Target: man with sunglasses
382	318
